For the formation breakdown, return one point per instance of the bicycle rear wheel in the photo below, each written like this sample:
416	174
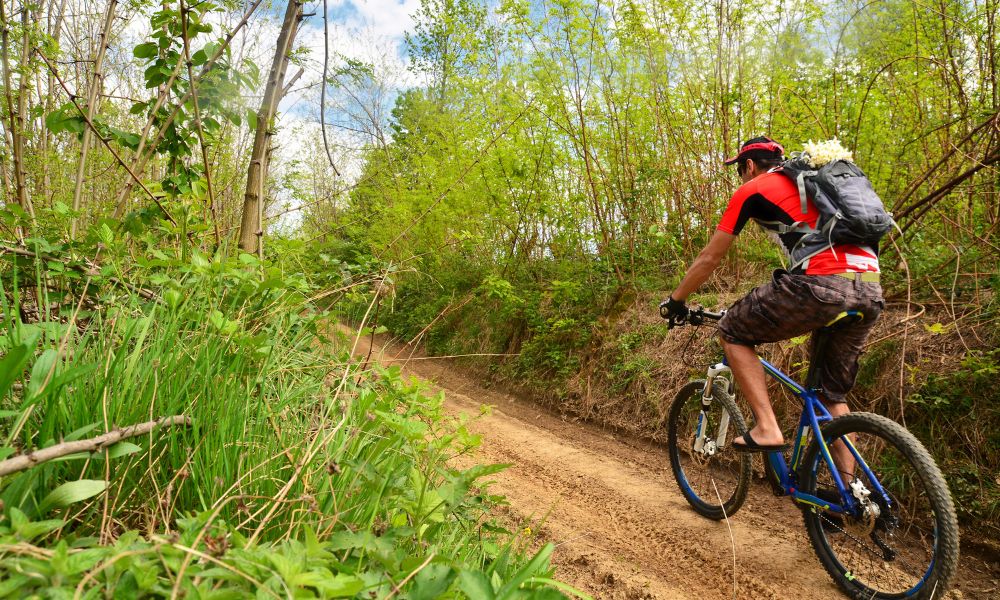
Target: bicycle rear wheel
713	477
903	544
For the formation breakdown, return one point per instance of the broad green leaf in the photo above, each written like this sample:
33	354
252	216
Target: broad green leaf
331	586
17	518
9	587
79	433
34	529
475	584
147	50
287	567
120	449
344	540
567	589
70	493
478	471
107	236
172	298
199	261
341	586
432	582
936	328
69	457
40	373
78	562
12	365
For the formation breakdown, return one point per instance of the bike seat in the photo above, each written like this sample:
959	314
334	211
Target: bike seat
844	320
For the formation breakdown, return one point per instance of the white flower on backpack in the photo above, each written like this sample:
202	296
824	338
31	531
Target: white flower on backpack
818	154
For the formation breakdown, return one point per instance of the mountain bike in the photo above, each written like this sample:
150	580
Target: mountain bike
884	529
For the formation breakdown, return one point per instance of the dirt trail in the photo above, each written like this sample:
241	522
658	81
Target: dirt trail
621	527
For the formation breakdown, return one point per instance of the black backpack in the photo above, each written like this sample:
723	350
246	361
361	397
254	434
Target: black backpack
850	212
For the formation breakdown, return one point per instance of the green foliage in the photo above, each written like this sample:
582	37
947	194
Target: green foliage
293	475
951	404
228	565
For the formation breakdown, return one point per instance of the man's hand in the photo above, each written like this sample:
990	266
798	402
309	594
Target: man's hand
674	311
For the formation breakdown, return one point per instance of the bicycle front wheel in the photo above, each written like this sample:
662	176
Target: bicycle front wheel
713	477
900	544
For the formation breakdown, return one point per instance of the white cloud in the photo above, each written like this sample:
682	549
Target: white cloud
386	18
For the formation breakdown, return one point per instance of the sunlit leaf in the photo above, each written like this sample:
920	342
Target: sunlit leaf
70	493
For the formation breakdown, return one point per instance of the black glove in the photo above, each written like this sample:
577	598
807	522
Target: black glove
674	311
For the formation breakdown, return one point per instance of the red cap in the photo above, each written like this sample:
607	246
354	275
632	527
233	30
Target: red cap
760	147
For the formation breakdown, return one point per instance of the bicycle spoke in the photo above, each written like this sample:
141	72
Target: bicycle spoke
714	480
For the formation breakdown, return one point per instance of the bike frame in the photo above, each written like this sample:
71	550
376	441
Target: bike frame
813	414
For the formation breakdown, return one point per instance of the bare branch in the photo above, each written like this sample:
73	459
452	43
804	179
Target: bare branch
94	444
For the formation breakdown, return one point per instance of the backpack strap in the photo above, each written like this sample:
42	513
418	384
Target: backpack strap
804	261
827	231
810	237
800	181
796	227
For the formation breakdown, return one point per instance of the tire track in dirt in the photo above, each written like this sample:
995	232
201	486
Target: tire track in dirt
621	528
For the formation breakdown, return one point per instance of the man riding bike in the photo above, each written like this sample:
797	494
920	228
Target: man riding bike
811	294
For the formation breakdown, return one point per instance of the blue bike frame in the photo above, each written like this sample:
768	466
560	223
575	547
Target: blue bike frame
813	414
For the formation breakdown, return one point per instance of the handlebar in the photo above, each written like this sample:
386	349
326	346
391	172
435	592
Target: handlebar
696	316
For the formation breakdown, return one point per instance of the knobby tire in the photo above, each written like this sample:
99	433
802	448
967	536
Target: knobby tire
728	470
911	550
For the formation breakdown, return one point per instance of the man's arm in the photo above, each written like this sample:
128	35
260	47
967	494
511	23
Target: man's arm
703	266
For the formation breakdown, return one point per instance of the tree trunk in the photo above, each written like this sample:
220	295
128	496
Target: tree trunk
15	114
252	226
93	99
54	19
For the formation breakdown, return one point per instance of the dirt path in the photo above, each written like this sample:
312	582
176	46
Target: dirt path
621	527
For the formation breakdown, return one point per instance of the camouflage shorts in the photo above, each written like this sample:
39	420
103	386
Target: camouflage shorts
793	305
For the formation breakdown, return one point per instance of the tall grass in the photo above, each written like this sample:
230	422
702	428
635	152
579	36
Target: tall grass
300	473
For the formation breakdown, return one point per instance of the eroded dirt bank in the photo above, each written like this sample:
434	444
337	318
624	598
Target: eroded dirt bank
621	527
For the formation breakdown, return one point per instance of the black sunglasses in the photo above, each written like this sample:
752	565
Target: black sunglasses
741	167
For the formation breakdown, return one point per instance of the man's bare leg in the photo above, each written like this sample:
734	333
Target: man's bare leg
841	454
750	377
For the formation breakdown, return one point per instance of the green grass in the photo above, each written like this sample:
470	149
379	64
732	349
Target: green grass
301	474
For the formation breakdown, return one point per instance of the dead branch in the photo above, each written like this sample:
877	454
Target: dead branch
94	444
921	206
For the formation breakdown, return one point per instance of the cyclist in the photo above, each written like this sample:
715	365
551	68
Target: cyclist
802	299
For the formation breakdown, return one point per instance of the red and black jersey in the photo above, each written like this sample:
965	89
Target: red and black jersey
773	200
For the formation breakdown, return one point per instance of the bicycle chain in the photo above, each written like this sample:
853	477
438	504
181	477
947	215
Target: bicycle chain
865	546
860	543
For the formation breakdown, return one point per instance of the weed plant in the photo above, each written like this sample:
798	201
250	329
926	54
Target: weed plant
299	474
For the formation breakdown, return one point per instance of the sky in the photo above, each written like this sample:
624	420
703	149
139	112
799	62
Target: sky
370	31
